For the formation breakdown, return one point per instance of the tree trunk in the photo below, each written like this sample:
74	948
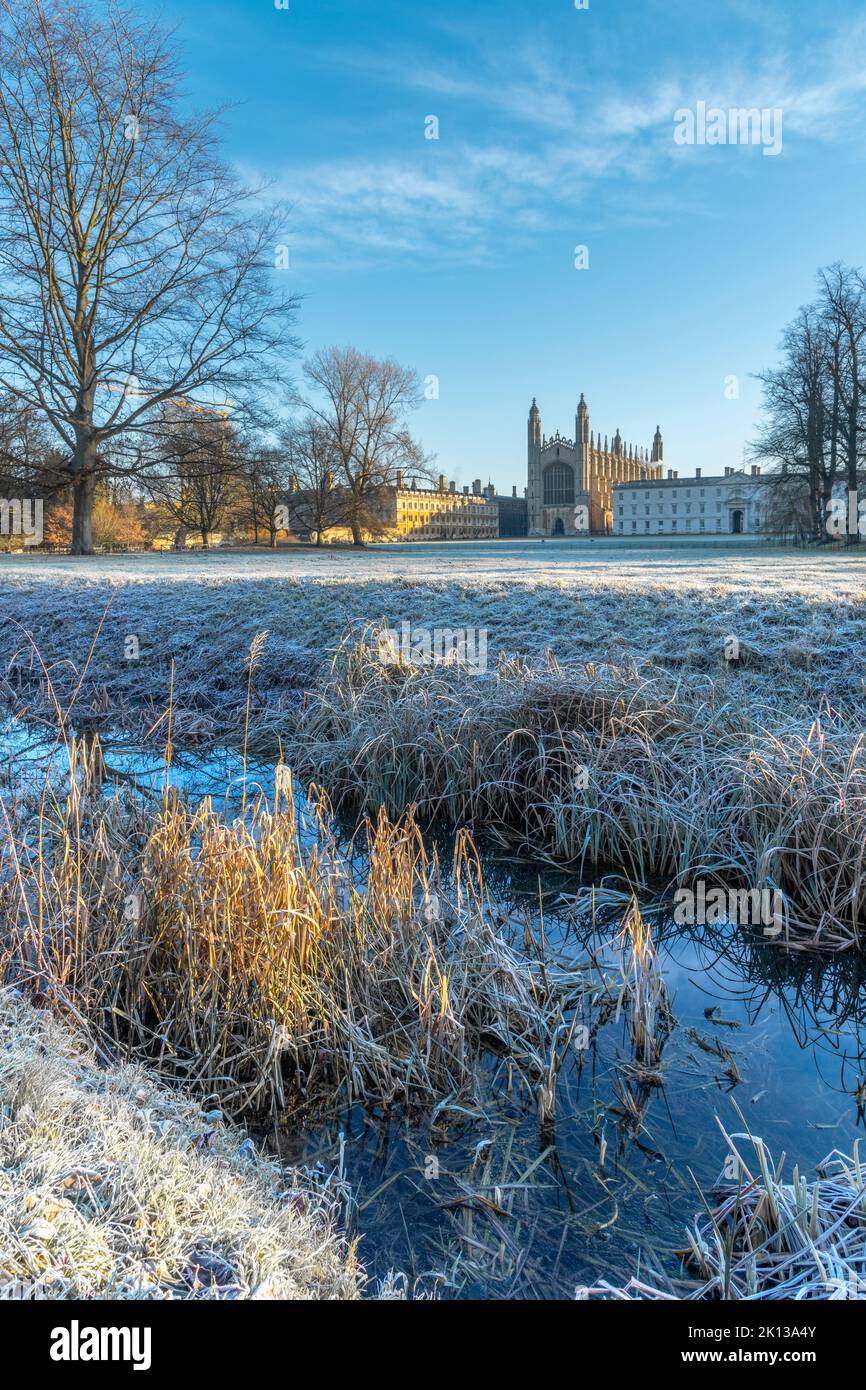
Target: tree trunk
819	516
852	538
83	490
854	429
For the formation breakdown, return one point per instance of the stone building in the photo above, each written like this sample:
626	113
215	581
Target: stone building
406	512
732	503
440	513
513	517
571	481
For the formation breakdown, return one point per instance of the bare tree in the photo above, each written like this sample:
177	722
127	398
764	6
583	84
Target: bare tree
28	463
318	500
844	301
360	404
789	510
814	429
134	269
194	472
800	428
264	476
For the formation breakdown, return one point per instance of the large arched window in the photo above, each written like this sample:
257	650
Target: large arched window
558	485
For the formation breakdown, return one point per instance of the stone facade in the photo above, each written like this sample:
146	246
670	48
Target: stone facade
571	481
407	511
732	503
513	522
441	513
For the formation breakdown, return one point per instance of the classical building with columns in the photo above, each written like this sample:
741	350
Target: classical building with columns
572	480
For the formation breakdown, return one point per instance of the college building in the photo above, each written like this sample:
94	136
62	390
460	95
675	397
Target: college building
440	513
403	511
571	482
733	503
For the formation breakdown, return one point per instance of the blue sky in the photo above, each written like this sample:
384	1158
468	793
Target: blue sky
556	129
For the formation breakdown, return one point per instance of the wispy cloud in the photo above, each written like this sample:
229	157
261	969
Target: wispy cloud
541	147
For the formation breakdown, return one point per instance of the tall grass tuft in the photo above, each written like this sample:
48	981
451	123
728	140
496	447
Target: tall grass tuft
616	764
256	959
644	993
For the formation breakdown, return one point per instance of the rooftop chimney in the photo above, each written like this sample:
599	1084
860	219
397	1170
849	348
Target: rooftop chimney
466	492
756	471
452	487
697	473
514	492
476	487
442	482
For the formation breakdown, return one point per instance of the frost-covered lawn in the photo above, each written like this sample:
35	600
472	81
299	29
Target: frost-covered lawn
730	560
800	616
114	1186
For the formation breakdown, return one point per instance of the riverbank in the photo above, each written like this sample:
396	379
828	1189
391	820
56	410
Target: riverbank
250	954
625	765
113	1186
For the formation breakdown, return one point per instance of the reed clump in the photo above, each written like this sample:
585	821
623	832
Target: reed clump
623	765
257	959
643	995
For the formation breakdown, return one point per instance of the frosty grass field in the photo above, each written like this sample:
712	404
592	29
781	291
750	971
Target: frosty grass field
800	615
